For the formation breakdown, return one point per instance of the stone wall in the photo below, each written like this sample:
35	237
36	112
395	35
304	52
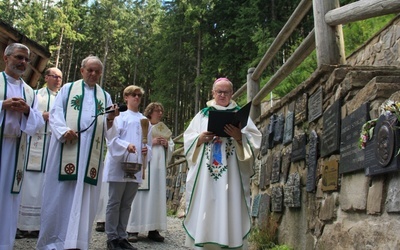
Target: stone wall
315	193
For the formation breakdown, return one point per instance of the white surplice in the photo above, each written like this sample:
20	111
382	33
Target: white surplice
32	187
218	185
69	207
149	208
15	123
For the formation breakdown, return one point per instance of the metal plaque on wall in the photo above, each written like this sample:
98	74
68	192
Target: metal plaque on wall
312	162
300	109
315	105
330	142
277	199
299	147
330	176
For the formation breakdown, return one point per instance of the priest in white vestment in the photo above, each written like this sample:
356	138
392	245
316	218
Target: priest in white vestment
38	145
218	180
19	117
74	165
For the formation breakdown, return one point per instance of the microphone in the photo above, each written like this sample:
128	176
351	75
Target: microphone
121	108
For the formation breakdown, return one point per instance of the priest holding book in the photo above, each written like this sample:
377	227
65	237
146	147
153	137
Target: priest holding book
218	180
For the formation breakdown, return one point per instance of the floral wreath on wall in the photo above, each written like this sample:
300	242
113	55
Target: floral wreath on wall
367	130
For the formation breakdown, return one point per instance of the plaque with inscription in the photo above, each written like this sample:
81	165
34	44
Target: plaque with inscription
292	191
264	209
286	163
256	205
351	156
330	142
315	105
276	199
381	151
330	176
278	130
263	175
264	141
271	130
300	109
312	162
276	168
288	128
299	147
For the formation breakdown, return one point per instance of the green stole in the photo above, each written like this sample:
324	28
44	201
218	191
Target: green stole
20	155
36	158
70	153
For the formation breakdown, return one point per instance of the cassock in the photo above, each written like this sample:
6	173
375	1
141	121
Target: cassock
13	125
218	185
69	206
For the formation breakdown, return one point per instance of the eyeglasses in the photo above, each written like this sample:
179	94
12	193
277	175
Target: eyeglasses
138	95
55	77
225	93
157	110
21	58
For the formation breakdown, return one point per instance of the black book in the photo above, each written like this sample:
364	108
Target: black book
217	119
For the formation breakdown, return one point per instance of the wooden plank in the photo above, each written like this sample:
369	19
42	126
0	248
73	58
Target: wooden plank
305	49
361	10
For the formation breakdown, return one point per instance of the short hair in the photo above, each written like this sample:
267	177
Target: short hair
151	107
13	46
131	89
223	79
47	72
91	57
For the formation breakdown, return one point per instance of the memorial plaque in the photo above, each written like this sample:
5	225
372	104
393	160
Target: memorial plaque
330	176
381	151
288	128
276	199
264	209
264	141
271	129
263	175
278	130
300	109
256	206
292	191
299	147
351	156
312	162
286	163
315	105
276	168
330	142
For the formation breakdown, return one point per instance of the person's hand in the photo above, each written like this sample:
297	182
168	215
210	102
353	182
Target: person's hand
131	148
111	116
205	137
233	132
144	151
45	116
16	104
70	135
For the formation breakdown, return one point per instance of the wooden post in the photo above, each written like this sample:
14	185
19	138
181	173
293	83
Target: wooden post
252	89
328	39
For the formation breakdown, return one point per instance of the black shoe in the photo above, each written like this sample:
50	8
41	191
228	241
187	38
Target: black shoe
100	227
124	244
20	234
113	245
133	237
155	235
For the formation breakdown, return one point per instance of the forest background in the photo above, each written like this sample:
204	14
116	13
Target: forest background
173	49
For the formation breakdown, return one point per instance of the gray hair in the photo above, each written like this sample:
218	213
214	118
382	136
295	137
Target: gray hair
91	57
14	46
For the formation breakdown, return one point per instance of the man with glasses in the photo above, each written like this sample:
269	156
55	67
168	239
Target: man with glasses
38	145
74	168
218	180
19	117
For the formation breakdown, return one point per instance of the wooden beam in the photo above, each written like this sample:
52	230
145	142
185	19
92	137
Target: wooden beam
297	16
301	53
361	10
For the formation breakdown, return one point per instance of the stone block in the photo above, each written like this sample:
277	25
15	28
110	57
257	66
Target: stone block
374	202
354	192
393	195
327	211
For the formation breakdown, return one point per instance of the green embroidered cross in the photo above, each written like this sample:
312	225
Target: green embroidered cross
76	102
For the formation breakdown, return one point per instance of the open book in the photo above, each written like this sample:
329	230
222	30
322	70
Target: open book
217	119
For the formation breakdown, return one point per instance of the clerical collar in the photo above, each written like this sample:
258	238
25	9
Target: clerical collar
12	80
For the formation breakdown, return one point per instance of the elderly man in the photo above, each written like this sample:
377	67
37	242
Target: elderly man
218	180
19	117
31	194
74	168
